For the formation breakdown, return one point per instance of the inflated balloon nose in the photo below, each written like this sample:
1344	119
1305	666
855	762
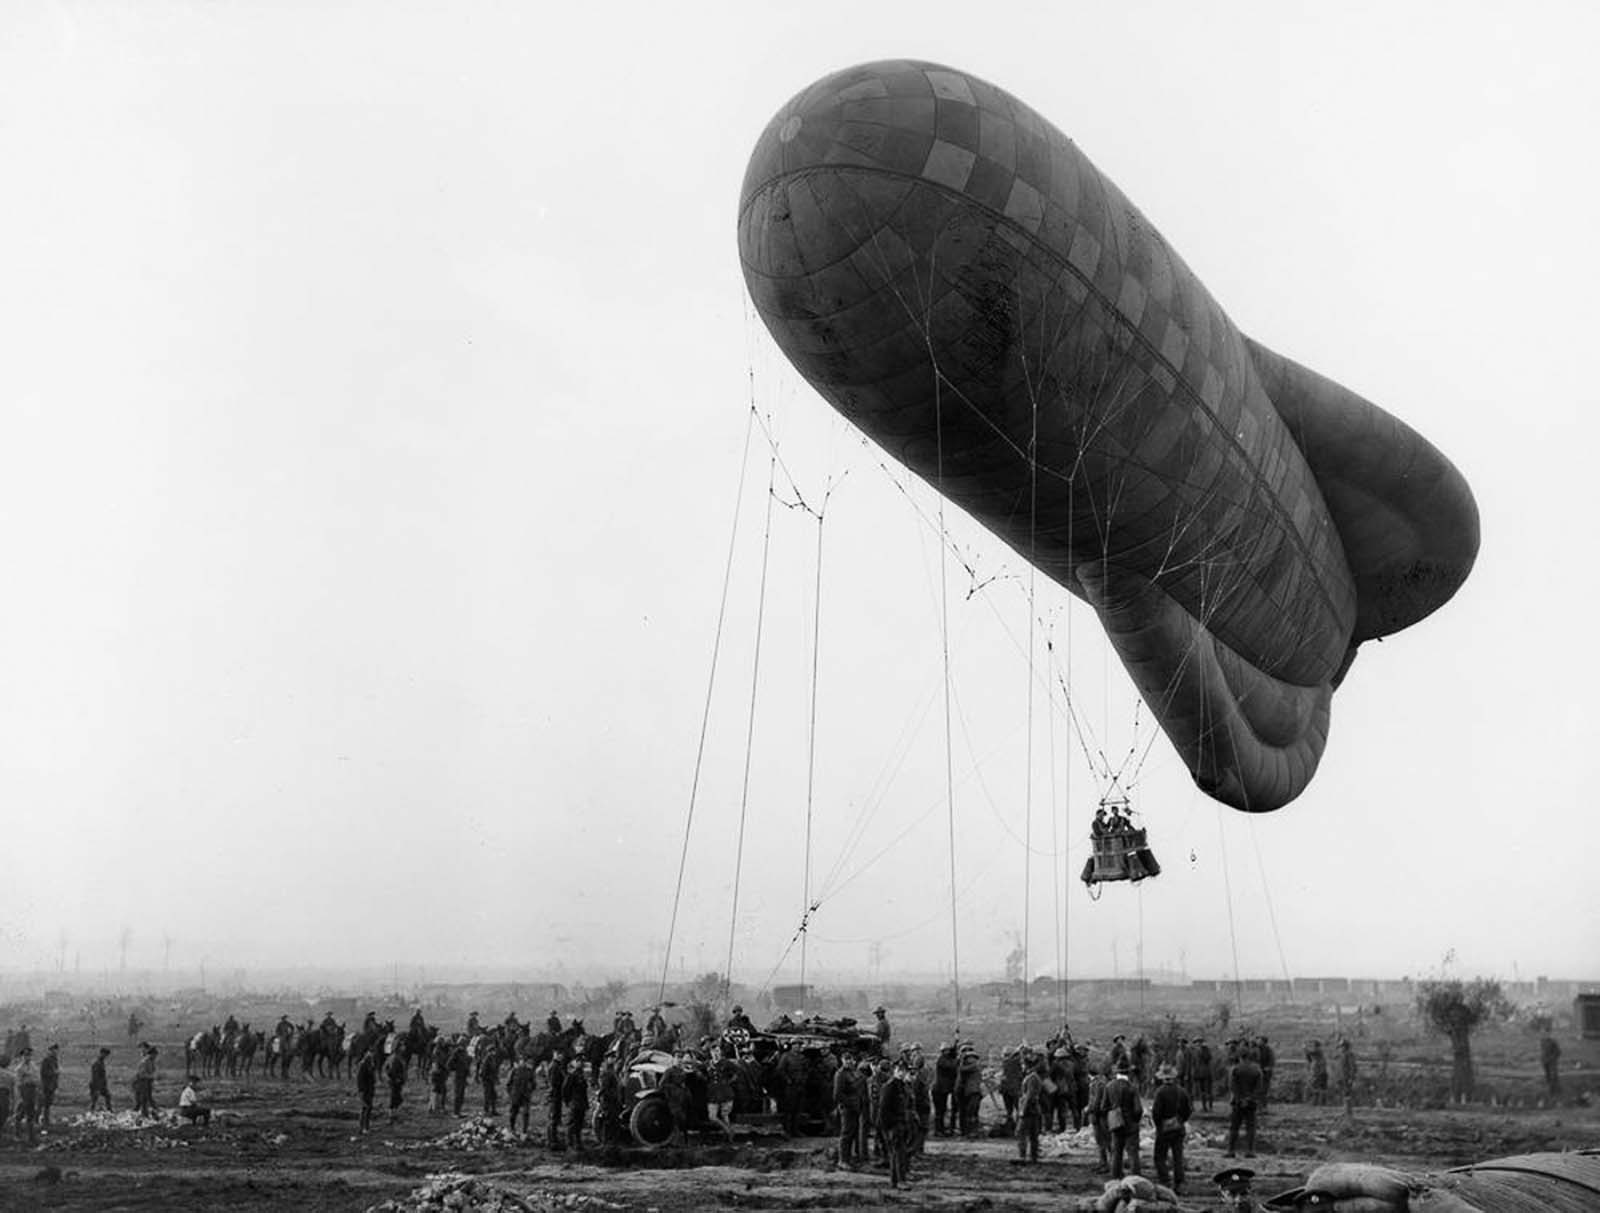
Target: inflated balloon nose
951	273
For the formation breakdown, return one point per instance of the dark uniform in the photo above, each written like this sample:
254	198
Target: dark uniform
460	1068
1010	1086
945	1068
554	1097
1244	1088
893	1112
610	1124
1123	1112
395	1071
1030	1111
49	1080
1202	1072
847	1101
520	1088
99	1088
367	1087
576	1092
1170	1109
1550	1062
489	1077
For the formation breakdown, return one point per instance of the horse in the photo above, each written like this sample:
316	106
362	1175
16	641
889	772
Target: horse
249	1042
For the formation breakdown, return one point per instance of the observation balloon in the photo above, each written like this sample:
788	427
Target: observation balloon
951	273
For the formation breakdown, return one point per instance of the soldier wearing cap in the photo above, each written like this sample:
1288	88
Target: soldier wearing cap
99	1088
1233	1187
882	1026
1244	1088
738	1020
893	1113
144	1081
1031	1109
8	1085
1202	1072
1317	1060
847	1097
921	1100
27	1094
945	1068
49	1081
969	1089
1010	1086
1170	1109
1124	1110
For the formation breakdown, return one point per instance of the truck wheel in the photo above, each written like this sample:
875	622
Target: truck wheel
650	1123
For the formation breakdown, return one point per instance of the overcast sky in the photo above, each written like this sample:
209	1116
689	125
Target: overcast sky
376	378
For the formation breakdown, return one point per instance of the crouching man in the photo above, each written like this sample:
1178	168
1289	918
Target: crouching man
189	1105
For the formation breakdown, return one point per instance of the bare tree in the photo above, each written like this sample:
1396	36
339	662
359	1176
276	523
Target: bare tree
1457	1009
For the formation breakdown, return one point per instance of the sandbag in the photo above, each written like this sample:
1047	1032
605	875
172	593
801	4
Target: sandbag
1138	1187
1345	1180
1437	1200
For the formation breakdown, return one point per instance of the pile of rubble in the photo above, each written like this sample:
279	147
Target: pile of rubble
123	1122
467	1194
471	1136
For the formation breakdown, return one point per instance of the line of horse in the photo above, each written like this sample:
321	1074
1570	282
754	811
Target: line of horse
328	1050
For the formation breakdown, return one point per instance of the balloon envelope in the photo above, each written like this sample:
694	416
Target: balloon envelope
951	273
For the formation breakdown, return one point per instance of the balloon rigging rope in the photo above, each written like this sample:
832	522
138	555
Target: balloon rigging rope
811	742
750	729
711	681
944	641
1027	800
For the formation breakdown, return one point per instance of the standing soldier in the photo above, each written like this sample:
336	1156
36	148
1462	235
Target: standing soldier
460	1071
367	1087
1267	1059
144	1081
882	1026
1549	1061
520	1087
921	1101
99	1088
1347	1073
945	1068
1030	1110
1184	1063
552	1023
575	1090
847	1099
1244	1088
1119	1051
893	1109
395	1071
792	1088
1139	1063
8	1087
556	1076
49	1080
738	1020
1170	1110
1202	1071
969	1089
1317	1060
489	1078
27	1094
1124	1110
1010	1086
438	1074
610	1123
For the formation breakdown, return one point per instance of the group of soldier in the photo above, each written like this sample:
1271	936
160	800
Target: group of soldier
28	1087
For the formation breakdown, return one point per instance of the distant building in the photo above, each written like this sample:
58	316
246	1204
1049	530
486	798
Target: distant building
1586	1012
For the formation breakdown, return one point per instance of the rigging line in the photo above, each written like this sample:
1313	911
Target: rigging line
811	734
1027	809
711	681
1272	913
911	825
983	785
944	637
1058	861
750	728
966	891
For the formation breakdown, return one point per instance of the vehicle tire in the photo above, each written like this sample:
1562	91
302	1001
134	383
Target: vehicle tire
650	1123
